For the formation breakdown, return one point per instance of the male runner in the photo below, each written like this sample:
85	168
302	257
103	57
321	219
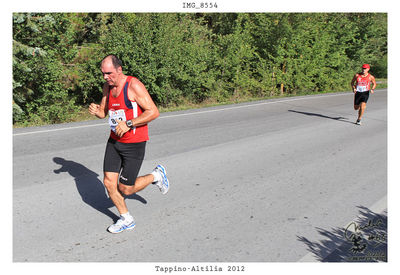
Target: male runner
361	85
130	108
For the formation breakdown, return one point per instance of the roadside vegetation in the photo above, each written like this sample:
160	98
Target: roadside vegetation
188	60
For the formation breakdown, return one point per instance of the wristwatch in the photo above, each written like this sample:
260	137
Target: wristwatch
129	123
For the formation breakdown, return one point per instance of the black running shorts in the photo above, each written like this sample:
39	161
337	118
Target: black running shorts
124	158
361	97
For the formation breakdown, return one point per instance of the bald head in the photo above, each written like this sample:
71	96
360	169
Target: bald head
111	67
113	60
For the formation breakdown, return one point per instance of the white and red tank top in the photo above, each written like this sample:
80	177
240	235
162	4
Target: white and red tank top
121	108
363	83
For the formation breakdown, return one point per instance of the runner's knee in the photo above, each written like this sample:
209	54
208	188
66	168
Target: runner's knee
110	183
126	190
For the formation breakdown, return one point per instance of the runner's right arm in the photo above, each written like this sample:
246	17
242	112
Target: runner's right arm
101	110
353	81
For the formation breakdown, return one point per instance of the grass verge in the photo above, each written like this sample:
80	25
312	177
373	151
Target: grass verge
83	115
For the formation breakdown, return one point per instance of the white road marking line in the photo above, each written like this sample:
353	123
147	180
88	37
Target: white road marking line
59	129
189	114
250	105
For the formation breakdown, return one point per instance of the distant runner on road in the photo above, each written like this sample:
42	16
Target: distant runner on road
130	108
361	85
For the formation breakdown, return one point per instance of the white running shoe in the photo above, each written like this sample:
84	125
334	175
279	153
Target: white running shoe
358	122
163	183
121	225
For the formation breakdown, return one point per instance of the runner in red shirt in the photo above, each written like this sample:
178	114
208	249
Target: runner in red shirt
361	85
130	108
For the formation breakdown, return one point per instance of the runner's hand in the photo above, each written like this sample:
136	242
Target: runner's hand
121	128
94	109
372	91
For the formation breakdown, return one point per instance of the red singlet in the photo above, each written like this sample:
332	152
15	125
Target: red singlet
121	108
363	83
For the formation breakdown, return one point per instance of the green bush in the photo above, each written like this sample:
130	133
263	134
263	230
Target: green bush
188	58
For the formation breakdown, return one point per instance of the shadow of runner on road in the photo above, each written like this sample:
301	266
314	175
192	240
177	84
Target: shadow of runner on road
90	188
362	240
343	119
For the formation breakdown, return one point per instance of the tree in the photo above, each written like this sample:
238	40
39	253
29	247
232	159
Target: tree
188	58
38	93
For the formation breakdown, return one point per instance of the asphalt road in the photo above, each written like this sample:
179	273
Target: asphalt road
268	181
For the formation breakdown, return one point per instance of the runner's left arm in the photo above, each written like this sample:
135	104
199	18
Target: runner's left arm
373	83
138	92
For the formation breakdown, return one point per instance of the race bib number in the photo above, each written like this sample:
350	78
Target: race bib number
362	84
114	117
362	89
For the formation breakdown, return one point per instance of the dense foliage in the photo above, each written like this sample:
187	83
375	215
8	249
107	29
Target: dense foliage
185	58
